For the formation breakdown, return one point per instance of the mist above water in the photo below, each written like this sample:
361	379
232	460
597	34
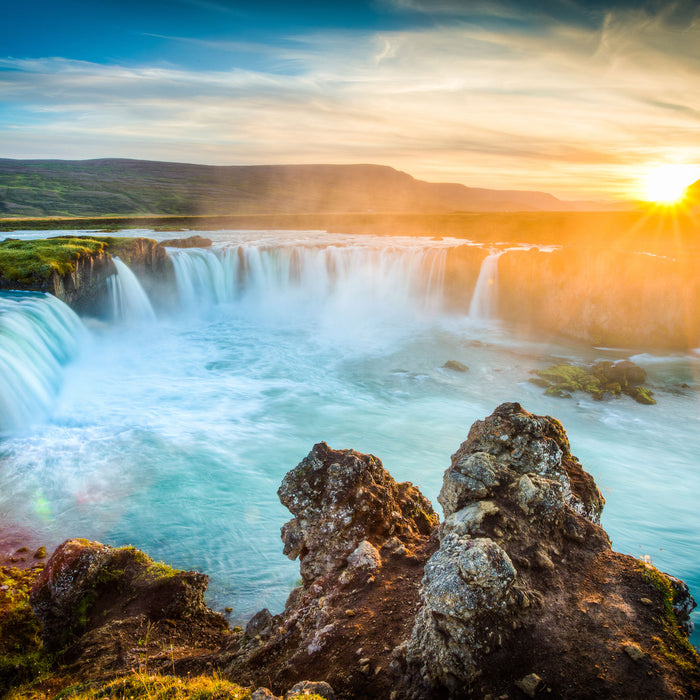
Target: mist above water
174	435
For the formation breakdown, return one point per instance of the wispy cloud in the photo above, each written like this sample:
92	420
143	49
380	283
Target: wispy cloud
570	109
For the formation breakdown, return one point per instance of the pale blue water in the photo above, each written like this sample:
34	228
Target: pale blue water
174	436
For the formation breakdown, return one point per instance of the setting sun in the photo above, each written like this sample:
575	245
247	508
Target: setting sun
666	184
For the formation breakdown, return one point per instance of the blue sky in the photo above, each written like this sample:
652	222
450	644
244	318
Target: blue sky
569	97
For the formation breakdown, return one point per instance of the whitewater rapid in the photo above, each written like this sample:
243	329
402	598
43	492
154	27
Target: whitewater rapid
174	434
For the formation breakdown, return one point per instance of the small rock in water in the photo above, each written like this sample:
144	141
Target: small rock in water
455	366
40	553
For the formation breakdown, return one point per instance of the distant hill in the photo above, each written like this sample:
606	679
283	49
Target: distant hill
121	187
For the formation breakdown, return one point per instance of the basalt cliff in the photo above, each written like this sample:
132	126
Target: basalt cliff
516	593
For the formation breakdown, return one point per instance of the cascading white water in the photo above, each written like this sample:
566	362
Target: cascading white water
38	335
130	303
338	281
484	303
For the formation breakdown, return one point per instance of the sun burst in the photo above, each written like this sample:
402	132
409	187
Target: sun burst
667	184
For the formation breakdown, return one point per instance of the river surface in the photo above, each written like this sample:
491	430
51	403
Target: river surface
171	428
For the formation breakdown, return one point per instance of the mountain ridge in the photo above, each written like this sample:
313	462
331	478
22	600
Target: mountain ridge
117	186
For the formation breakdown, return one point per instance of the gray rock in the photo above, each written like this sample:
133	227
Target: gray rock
263	694
260	625
470	477
469	519
340	498
311	688
365	556
466	581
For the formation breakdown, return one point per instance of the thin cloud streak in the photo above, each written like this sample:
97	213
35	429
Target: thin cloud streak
574	111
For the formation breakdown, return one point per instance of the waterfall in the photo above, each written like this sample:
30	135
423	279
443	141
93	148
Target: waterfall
39	335
336	278
130	303
484	303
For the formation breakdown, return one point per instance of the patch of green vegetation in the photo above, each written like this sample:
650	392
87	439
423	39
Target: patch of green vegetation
159	570
598	380
28	262
688	658
22	658
154	570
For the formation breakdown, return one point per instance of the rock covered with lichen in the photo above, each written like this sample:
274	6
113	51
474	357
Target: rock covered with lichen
342	500
525	573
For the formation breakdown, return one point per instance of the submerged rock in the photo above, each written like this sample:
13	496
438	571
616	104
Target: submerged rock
455	366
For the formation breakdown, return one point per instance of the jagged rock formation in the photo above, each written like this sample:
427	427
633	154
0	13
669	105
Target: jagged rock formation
346	505
361	539
517	593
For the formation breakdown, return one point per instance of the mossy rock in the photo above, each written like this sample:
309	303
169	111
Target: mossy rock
599	380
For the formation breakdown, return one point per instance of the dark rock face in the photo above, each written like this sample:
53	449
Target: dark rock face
341	499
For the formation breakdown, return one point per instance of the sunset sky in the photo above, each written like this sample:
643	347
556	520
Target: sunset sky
574	98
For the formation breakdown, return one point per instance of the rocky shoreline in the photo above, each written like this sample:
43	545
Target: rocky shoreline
516	593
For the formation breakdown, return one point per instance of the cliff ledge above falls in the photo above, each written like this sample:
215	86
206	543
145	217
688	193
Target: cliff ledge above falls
75	268
516	594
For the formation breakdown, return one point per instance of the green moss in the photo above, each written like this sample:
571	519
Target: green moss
640	394
685	655
21	654
159	570
154	570
598	380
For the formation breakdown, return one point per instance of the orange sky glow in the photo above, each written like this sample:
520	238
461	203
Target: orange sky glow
506	99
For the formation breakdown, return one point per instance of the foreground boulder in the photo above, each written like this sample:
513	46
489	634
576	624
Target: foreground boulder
525	592
95	602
